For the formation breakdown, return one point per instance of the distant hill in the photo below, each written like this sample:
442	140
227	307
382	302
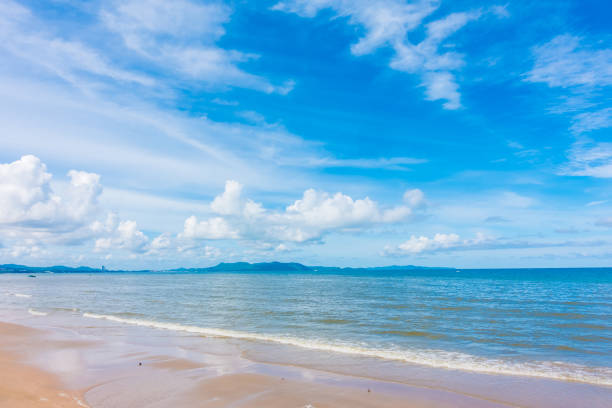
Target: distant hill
12	268
249	267
390	268
222	267
261	266
296	267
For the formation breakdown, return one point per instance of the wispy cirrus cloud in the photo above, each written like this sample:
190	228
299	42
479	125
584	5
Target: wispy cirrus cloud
568	62
418	245
166	42
25	36
587	158
180	38
564	62
386	23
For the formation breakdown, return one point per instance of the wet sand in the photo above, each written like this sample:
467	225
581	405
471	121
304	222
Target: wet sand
48	368
68	362
23	385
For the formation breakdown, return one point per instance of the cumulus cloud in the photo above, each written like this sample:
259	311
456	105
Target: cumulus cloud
120	235
161	242
420	244
309	218
231	202
27	199
386	23
415	198
212	228
33	214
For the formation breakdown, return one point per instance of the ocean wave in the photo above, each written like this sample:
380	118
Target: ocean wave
21	295
36	312
432	358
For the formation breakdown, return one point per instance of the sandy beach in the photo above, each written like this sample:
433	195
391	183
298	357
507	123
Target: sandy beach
56	368
51	362
23	385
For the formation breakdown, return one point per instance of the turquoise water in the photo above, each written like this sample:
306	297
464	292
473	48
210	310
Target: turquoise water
554	323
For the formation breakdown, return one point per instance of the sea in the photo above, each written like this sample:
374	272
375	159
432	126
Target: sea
547	323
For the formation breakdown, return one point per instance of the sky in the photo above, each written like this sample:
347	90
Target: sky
154	134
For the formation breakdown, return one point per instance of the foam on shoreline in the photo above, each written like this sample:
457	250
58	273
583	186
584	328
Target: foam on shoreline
432	358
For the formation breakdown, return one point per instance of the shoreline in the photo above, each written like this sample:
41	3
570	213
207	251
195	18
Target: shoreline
109	361
114	385
451	360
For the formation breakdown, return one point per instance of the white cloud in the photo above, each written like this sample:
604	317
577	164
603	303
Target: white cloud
420	244
121	235
386	23
565	63
306	219
212	228
442	85
452	242
561	62
231	202
27	199
589	121
161	242
414	198
391	163
22	35
180	36
27	248
211	252
589	159
137	20
177	38
35	214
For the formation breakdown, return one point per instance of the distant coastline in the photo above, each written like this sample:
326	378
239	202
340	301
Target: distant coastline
273	267
221	267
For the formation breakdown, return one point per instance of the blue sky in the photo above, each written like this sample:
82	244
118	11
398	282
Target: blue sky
153	134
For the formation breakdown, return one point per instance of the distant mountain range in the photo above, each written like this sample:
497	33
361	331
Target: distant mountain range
222	267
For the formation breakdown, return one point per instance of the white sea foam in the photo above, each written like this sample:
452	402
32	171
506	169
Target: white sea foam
36	312
432	358
21	295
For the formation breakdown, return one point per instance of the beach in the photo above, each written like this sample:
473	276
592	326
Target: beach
48	368
307	340
24	385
